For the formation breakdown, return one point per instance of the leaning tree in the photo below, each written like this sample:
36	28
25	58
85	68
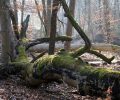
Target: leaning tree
62	65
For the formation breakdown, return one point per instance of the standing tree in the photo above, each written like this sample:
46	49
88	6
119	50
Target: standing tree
49	14
53	26
22	10
90	26
69	28
106	15
16	10
6	32
47	11
40	17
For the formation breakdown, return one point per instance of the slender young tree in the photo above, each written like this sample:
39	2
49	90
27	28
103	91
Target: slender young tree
69	26
106	15
90	28
53	26
47	11
16	10
39	15
22	10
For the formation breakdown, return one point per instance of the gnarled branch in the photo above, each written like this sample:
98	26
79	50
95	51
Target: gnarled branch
46	40
108	60
36	58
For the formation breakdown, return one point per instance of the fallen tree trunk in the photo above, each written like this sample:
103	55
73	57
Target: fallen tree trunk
98	46
73	71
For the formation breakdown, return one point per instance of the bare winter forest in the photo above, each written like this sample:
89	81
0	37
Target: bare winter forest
59	49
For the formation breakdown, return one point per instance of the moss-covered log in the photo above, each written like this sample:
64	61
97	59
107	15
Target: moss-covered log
73	71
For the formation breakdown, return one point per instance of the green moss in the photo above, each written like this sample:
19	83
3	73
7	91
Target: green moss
22	56
85	70
64	61
100	73
28	75
44	61
57	60
61	60
24	40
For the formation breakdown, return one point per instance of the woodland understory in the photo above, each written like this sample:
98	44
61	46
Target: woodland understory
63	66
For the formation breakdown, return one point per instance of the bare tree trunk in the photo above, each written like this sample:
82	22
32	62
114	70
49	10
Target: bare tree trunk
90	30
116	9
22	10
53	26
48	21
5	31
69	26
15	10
40	17
100	28
47	15
116	15
107	20
44	14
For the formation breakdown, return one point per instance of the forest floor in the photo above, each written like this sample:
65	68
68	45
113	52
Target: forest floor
13	88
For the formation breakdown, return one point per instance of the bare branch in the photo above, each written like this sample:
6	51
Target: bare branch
24	27
108	60
46	40
14	22
36	58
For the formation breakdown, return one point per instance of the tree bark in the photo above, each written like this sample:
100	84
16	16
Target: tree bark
16	10
49	14
47	40
78	29
106	13
53	26
22	10
40	17
47	11
5	31
69	26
